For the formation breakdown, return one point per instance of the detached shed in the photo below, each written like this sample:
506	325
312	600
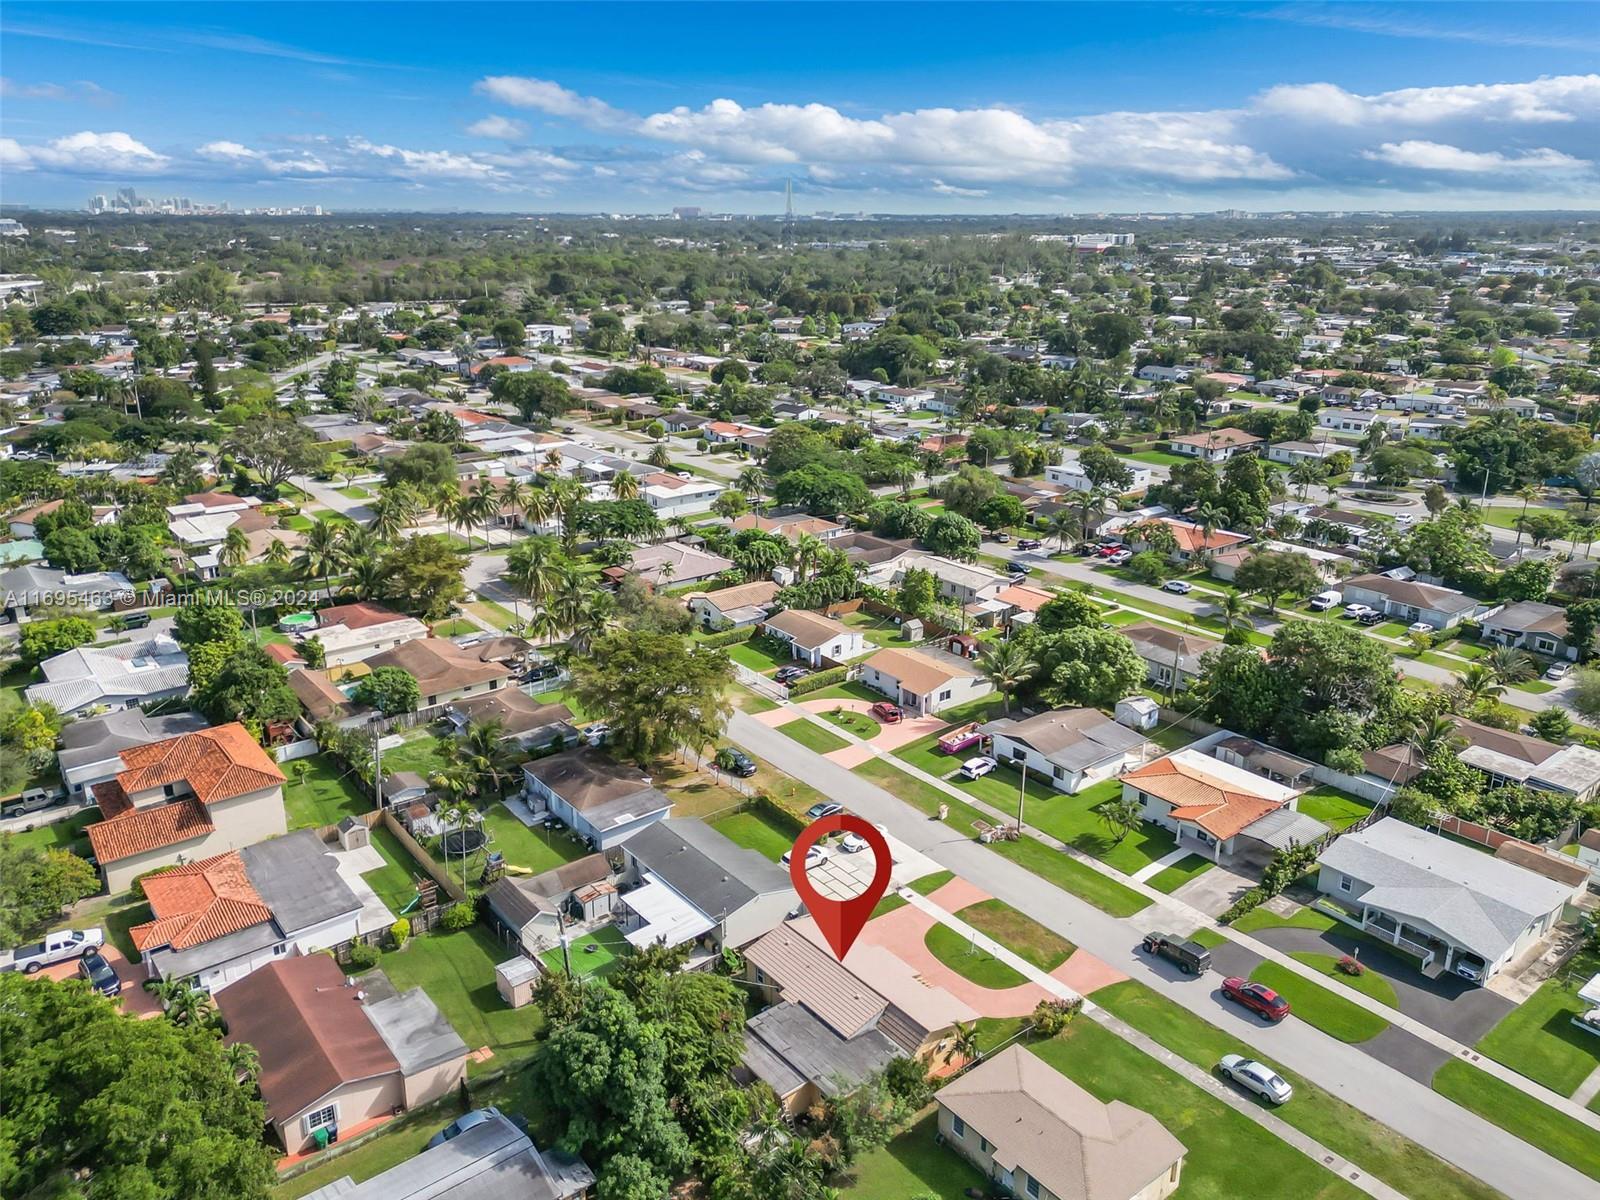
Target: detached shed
515	980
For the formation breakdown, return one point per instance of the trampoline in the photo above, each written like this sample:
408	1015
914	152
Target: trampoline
463	842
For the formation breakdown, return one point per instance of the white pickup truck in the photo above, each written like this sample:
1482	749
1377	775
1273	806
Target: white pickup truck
54	948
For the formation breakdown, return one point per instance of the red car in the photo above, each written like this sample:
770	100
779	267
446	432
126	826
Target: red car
1107	551
1256	997
888	713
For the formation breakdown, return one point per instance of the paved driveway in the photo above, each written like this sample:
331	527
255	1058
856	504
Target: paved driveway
1213	892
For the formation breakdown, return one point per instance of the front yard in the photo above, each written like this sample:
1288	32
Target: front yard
1076	821
812	736
862	725
1017	932
755	831
1317	1005
760	655
1538	1039
913	1166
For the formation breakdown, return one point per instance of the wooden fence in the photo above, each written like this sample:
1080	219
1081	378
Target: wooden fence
425	860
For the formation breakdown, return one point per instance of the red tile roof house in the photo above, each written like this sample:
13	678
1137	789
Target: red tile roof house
1209	803
186	798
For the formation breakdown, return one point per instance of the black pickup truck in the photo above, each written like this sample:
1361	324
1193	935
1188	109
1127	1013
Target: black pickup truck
1192	958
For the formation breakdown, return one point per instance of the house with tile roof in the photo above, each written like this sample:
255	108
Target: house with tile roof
219	918
1215	445
1189	539
186	798
1038	1134
1213	805
337	1055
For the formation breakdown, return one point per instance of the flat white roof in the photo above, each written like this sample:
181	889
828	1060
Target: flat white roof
667	916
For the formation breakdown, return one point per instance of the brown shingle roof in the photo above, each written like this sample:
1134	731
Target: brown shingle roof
318	695
309	1029
806	974
915	672
438	665
808	629
587	777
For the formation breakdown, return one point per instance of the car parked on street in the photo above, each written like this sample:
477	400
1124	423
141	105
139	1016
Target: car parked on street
1177	587
1257	997
1255	1077
825	808
1323	601
1191	957
1002	537
889	714
977	768
1108	549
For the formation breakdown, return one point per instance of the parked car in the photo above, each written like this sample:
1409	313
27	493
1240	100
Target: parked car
1108	549
889	714
461	1124
1323	601
685	474
977	768
1471	969
787	675
54	948
1558	671
102	976
1257	997
825	808
1371	617
1419	627
1192	958
596	734
1357	611
1177	587
736	762
853	843
1002	537
1120	557
135	620
1255	1077
1029	544
815	856
31	801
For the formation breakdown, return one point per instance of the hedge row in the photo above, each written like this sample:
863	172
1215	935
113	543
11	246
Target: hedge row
822	679
730	637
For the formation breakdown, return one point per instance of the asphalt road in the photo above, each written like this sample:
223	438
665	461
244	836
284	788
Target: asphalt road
1388	1095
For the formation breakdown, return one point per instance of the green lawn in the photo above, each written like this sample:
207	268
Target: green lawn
845	691
1335	809
536	849
1304	918
59	835
1209	937
858	723
497	615
1535	686
756	831
319	793
457	972
1019	933
1557	1134
297	523
1158	458
395	881
970	961
423	752
1316	1005
880	631
565	696
1368	983
1028	853
1228	1154
1170	879
812	736
1076	821
1341	1127
759	657
912	1166
747	701
455	627
593	956
1538	1039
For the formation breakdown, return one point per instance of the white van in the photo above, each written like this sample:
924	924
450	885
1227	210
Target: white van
1323	601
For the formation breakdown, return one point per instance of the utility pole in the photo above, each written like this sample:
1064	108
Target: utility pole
377	763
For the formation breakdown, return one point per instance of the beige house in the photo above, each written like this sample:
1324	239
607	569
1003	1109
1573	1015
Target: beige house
1039	1135
336	1055
814	638
443	670
924	681
186	798
732	608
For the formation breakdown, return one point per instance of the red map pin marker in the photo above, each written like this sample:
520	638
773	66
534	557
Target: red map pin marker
840	921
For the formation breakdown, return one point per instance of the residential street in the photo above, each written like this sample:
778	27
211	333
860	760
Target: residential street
1387	1094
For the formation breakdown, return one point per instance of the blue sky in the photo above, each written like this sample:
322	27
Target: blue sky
899	107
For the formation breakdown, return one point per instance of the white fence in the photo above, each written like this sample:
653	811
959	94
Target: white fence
290	751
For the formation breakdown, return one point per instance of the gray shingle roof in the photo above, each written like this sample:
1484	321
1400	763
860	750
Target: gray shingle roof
704	867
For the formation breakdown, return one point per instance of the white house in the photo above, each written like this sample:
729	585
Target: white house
1409	601
1215	445
1069	474
1071	747
814	638
669	496
599	798
923	681
1206	802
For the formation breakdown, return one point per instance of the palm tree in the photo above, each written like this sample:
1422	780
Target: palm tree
1430	737
1509	664
752	481
1122	815
1527	493
244	1064
482	508
660	458
1208	516
806	548
1478	682
322	554
1008	667
963	1042
367	576
1232	608
484	750
235	548
625	486
1307	473
539	506
278	552
513	495
1062	524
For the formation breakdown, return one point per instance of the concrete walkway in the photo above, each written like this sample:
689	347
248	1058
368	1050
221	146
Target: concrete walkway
1519	1170
1144	873
1588	1089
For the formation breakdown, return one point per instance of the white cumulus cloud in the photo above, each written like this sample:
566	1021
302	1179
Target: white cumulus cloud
87	152
1436	156
496	126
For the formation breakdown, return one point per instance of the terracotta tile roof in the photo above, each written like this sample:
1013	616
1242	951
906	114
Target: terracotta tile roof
1215	800
137	831
357	616
1217	438
279	652
217	764
311	1031
1026	598
199	902
1193	537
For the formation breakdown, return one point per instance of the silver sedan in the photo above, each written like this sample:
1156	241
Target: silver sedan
1255	1077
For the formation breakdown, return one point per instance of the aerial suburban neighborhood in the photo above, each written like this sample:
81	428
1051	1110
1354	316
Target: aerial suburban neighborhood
470	615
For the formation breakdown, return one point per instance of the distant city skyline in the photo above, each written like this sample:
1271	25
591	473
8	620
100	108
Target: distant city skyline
883	108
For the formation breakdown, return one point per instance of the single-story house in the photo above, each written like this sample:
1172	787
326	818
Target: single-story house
493	1160
218	919
523	719
1409	601
1261	759
688	882
1071	747
671	564
1445	903
924	681
1069	474
1507	757
351	633
1215	445
959	582
22	588
534	911
1172	659
324	700
1292	453
669	496
734	607
1531	625
814	638
1190	539
1210	804
598	797
806	1058
335	1053
444	671
1037	1134
790	525
1226	563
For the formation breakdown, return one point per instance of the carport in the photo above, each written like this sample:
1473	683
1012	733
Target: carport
1259	841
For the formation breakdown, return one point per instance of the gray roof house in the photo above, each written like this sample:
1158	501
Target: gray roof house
1507	757
91	748
1170	657
603	800
1450	905
803	1058
1409	601
1036	1133
1072	747
112	676
491	1161
1531	625
687	881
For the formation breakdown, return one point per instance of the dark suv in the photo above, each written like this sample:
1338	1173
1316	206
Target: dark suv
1192	958
102	976
736	762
